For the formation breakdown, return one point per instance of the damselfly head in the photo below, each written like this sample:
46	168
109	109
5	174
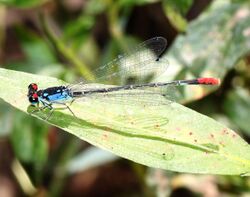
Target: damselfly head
32	93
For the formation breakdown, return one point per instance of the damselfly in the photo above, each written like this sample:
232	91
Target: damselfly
144	60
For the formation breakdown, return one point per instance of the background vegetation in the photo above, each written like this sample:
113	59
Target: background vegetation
68	39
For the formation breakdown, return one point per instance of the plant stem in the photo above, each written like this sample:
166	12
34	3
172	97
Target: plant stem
65	51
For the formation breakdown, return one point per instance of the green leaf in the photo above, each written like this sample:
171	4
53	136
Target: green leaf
37	51
171	137
212	45
175	10
124	3
95	7
175	18
79	27
237	107
181	5
29	146
5	120
29	139
23	3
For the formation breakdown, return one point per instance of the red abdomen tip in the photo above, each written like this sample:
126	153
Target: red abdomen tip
209	81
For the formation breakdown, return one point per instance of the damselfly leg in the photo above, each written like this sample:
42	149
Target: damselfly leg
52	109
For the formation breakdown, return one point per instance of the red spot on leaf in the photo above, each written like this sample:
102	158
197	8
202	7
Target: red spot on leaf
190	133
178	128
105	136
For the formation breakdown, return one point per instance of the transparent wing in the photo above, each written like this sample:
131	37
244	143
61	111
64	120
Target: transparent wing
140	64
145	96
126	98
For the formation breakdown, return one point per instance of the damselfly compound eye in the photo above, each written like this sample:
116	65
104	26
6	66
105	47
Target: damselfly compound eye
33	86
33	99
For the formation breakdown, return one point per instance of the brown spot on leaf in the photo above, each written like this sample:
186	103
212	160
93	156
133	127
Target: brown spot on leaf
225	131
157	126
105	135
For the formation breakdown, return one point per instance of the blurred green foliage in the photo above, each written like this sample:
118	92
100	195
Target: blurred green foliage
69	39
237	106
23	3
